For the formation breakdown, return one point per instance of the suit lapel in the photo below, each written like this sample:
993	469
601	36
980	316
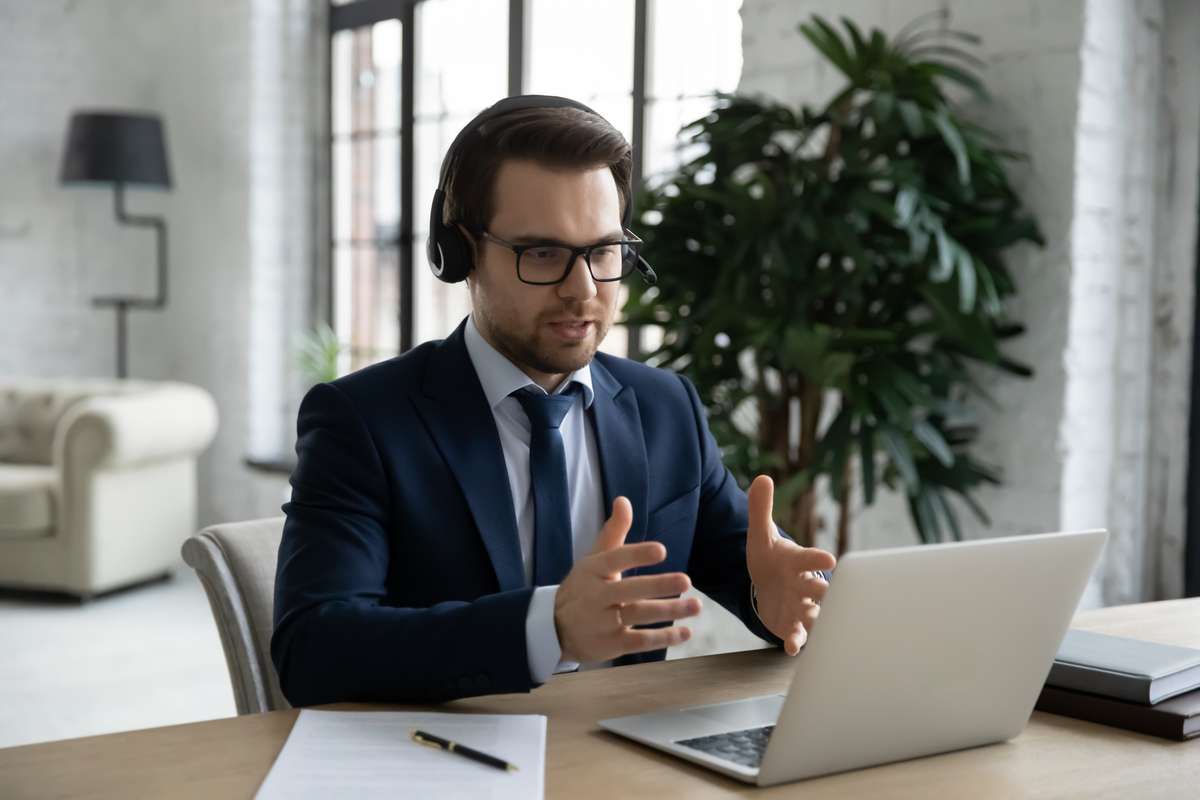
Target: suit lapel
457	415
621	445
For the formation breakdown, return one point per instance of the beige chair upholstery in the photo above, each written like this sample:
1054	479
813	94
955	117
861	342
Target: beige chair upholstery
97	480
236	564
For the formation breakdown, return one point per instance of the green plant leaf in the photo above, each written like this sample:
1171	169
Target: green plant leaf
826	40
866	440
966	281
932	439
947	256
914	121
940	503
901	455
954	140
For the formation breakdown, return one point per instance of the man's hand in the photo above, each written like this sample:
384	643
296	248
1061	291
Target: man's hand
784	573
595	607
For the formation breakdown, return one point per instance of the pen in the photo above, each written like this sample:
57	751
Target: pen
429	740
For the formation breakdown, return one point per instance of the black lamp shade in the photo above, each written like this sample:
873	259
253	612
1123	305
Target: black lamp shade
115	148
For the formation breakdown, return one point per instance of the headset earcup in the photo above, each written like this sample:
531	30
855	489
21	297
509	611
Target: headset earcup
448	251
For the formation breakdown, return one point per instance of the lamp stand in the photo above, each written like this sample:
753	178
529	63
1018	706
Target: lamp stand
123	304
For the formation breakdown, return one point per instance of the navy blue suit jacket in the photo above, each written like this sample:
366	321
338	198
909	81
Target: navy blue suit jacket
400	576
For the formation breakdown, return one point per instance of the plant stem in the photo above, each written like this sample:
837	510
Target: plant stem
843	529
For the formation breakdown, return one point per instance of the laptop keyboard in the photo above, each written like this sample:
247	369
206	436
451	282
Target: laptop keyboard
741	747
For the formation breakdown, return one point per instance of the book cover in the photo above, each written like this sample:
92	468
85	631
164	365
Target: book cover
1177	718
1124	669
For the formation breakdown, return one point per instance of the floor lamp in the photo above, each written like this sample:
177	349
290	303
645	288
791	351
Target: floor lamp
121	148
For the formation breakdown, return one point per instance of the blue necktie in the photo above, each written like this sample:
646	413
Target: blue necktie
553	553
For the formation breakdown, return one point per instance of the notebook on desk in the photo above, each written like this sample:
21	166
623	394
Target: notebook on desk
369	754
1123	668
920	650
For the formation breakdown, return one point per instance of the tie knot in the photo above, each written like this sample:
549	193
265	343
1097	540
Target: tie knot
545	410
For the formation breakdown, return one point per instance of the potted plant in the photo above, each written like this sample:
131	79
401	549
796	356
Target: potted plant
317	354
831	278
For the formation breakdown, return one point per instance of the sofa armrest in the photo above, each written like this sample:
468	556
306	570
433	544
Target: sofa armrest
168	421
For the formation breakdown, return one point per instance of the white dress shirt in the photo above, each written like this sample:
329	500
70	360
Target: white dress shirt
499	378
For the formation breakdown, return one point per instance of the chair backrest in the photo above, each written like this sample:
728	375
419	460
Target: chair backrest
236	564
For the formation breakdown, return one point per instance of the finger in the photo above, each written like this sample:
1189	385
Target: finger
793	642
808	616
647	587
616	527
629	556
762	498
644	639
645	612
810	559
813	587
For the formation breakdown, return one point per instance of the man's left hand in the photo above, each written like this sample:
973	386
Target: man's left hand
785	576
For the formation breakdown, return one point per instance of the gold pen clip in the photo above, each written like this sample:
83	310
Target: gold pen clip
416	737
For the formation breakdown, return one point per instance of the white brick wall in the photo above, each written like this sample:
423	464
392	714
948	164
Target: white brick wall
230	80
1098	437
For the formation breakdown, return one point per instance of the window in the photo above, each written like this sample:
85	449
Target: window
405	76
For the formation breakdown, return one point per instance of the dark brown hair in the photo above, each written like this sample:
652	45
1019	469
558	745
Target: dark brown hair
556	137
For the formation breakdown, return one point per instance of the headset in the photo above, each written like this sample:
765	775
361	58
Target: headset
448	250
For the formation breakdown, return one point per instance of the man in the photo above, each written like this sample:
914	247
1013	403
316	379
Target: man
486	510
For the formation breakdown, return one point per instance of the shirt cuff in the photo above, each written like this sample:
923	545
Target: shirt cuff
541	638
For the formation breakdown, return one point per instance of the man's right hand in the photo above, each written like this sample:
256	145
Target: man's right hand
595	608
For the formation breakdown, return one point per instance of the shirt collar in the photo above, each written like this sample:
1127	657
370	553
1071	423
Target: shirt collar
499	377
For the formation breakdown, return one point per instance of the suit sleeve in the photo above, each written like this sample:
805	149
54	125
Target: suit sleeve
717	565
336	638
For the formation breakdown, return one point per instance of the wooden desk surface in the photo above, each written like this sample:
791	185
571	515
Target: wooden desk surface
1053	757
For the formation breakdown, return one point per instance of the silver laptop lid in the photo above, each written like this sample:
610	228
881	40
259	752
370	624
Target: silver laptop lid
927	649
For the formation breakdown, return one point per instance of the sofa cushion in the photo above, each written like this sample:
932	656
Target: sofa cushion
27	500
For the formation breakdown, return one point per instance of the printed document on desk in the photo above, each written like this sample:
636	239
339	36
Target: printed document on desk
367	754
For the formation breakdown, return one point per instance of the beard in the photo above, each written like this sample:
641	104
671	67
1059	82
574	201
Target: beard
537	353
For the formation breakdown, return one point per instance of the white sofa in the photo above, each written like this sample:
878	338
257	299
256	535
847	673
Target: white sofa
97	480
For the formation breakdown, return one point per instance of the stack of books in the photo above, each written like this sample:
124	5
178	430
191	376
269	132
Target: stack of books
1127	683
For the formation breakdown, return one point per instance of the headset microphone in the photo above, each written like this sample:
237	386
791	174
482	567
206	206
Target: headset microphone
648	273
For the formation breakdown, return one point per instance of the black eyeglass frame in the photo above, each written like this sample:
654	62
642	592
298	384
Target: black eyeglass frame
628	265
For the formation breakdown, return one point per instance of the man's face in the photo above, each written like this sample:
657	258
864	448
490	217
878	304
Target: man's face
547	331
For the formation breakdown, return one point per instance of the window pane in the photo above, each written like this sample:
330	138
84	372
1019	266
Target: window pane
384	73
366	303
385	177
439	306
365	70
696	47
665	149
582	50
462	69
463	63
365	111
343	183
366	188
342	88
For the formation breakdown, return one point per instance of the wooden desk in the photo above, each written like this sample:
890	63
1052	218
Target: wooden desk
1053	757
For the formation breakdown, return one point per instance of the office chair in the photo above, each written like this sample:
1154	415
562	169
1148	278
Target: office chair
236	565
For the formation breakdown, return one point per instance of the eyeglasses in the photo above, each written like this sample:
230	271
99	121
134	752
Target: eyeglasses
542	264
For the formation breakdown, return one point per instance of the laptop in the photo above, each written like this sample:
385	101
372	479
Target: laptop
919	650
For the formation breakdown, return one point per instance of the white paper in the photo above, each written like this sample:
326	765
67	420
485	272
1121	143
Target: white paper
371	754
